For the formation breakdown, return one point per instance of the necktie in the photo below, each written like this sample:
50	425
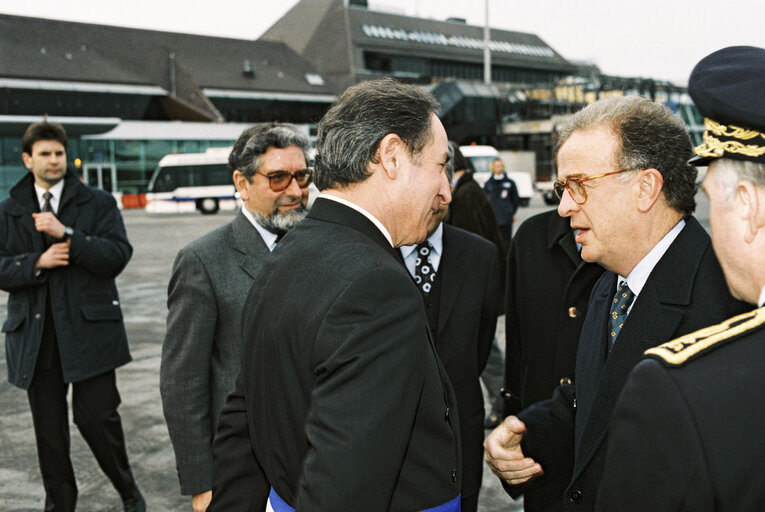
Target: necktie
49	240
424	273
619	308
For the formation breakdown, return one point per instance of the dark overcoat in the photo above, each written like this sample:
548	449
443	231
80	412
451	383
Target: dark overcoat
567	434
687	431
83	296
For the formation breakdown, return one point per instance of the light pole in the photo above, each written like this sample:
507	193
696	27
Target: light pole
486	52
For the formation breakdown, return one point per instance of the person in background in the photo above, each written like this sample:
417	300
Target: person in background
208	287
548	288
62	244
457	274
686	433
503	193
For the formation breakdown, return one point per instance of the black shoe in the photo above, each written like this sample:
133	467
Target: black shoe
492	420
135	503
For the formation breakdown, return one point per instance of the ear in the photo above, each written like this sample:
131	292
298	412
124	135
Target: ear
27	158
240	182
751	208
649	186
391	154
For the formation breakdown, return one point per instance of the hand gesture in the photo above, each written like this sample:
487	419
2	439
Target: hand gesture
46	222
505	456
57	255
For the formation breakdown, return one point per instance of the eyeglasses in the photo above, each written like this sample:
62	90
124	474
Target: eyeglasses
280	180
576	189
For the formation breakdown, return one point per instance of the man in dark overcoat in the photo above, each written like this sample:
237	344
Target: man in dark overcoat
62	244
687	431
628	192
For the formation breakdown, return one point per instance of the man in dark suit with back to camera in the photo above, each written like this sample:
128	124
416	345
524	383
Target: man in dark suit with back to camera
62	244
206	296
342	402
628	191
548	288
457	273
687	431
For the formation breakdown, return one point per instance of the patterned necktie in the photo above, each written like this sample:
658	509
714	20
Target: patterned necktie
424	273
619	308
49	240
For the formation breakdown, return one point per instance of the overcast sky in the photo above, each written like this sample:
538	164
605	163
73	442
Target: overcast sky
650	38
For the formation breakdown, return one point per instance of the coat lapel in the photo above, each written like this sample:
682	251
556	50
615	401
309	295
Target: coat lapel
249	244
654	319
454	270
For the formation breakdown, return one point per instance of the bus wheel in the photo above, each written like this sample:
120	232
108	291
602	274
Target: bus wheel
207	205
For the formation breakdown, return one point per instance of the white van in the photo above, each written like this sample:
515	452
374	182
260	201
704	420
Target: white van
482	156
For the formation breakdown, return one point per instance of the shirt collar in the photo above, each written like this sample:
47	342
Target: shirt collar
55	192
362	211
642	270
268	238
436	242
761	301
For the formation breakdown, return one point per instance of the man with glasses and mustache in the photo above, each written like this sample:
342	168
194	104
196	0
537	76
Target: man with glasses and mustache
208	287
629	194
342	403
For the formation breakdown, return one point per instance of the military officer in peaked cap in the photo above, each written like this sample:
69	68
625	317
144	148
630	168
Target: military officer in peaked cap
687	432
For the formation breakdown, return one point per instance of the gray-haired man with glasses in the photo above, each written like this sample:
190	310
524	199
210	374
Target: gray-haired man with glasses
208	289
629	194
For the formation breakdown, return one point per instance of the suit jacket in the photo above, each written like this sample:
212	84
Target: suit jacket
202	350
341	402
696	407
548	288
567	434
467	321
471	210
85	304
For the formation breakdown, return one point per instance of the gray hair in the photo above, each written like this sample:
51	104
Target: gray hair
735	171
256	140
350	133
652	137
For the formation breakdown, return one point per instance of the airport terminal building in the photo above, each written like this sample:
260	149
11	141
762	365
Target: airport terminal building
128	97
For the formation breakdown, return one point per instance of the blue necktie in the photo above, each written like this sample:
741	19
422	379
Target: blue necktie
619	308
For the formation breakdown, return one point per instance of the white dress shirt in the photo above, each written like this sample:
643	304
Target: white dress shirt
55	192
362	211
437	243
268	238
642	271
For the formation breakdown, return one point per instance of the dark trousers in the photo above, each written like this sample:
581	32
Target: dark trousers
506	235
94	407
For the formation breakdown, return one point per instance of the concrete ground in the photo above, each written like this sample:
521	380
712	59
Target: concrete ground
142	286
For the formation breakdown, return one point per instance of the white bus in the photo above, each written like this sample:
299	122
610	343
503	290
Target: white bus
192	181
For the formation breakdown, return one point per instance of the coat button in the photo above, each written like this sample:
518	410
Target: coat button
18	263
24	377
37	316
575	496
573	312
566	380
446	414
454	475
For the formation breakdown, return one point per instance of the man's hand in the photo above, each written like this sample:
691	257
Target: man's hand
57	255
46	222
200	502
504	455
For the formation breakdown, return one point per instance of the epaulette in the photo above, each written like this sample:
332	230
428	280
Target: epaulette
681	350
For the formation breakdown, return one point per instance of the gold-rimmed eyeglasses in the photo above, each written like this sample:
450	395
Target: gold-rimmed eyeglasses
576	189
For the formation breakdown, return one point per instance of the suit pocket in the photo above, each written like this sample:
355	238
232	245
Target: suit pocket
14	321
101	308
